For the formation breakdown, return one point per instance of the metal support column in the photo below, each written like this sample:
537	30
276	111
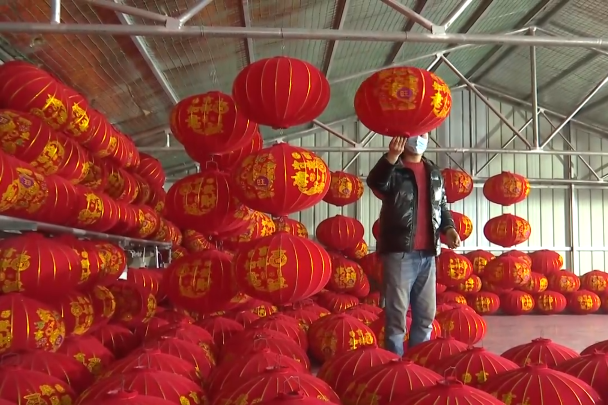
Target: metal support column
571	213
56	12
189	14
364	142
534	93
414	16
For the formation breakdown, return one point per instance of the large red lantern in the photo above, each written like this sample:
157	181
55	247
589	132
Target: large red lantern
595	281
463	325
479	259
474	366
29	89
291	226
453	268
336	334
403	101
540	385
536	284
282	268
116	338
281	92
204	201
507	230
211	122
379	382
433	351
516	303
540	351
546	261
346	275
340	232
288	326
563	281
462	224
345	188
484	302
151	170
448	391
340	370
201	281
281	180
507	272
458	185
550	302
22	386
591	368
583	302
134	304
506	188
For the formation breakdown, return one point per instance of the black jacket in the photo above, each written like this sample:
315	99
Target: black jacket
399	205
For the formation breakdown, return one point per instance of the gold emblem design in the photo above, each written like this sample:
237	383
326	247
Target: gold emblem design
93	211
342	185
265	269
54	112
13	263
310	173
345	276
398	90
205	116
195	278
199	197
441	101
80	121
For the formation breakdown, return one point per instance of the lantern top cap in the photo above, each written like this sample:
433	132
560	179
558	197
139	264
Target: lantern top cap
536	366
451	382
122	394
541	340
296	394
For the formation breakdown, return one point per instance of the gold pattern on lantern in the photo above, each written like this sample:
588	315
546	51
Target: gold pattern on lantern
94	210
342	185
598	283
514	187
54	112
483	304
13	263
194	278
310	173
205	116
585	302
357	338
192	398
93	364
104	295
398	90
546	302
32	190
49	331
82	310
441	100
457	269
48	395
527	302
345	276
329	343
265	273
80	123
48	160
199	196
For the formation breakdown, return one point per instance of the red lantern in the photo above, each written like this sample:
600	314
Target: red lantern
540	351
122	186
227	161
260	225
258	307
536	284
243	318
541	385
550	302
546	261
97	175
344	189
452	268
88	351
474	366
284	324
365	316
378	327
117	339
22	386
201	281
228	376
518	254
506	189
189	333
195	241
77	312
29	89
379	382
270	268
95	211
358	252
479	259
59	207
346	274
464	326
433	351
126	397
507	272
104	305
187	351
516	303
376	229
281	180
305	316
291	226
463	226
595	281
451	297
563	281
340	370
295	398
337	303
222	329
134	304
458	185
591	369
114	261
596	347
211	122
281	92
340	232
100	137
336	334
38	266
403	101
484	302
147	223
507	230
154	359
470	285
204	201
151	170
583	302
449	391
372	267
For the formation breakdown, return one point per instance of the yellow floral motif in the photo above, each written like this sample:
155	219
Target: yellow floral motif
80	121
483	304
107	298
509	399
205	115
32	191
199	196
12	264
546	302
265	269
527	302
586	302
54	112
342	186
311	173
361	395
82	311
457	268
398	90
345	276
441	101
194	278
49	331
598	283
357	338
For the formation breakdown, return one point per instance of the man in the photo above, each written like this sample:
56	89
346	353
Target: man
413	213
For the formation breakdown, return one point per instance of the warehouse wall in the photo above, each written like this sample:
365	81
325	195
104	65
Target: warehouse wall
472	124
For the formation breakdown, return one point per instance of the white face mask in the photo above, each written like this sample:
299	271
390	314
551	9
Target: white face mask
417	144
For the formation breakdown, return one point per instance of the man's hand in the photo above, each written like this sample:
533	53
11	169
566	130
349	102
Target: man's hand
452	238
395	149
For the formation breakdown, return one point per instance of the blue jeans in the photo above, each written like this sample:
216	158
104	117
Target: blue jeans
409	279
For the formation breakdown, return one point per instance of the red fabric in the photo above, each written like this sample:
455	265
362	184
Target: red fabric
423	239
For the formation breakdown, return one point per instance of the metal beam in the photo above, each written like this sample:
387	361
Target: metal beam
189	14
456	13
409	24
56	12
249	47
129	10
412	15
339	21
335	133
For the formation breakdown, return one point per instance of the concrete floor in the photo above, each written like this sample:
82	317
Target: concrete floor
574	331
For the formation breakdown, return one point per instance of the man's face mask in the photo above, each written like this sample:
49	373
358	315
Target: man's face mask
417	144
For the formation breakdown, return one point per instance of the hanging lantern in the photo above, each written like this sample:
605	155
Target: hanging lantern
133	303
550	302
595	281
583	302
464	326
506	189
29	89
344	189
507	272
507	230
516	303
564	281
546	261
211	122
88	351
378	382
117	339
340	232
452	268
261	225
204	201
463	226
20	386
403	101
271	268
540	385
151	170
540	351
433	351
484	302
291	226
479	259
281	92
338	333
536	284
340	370
458	185
281	180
